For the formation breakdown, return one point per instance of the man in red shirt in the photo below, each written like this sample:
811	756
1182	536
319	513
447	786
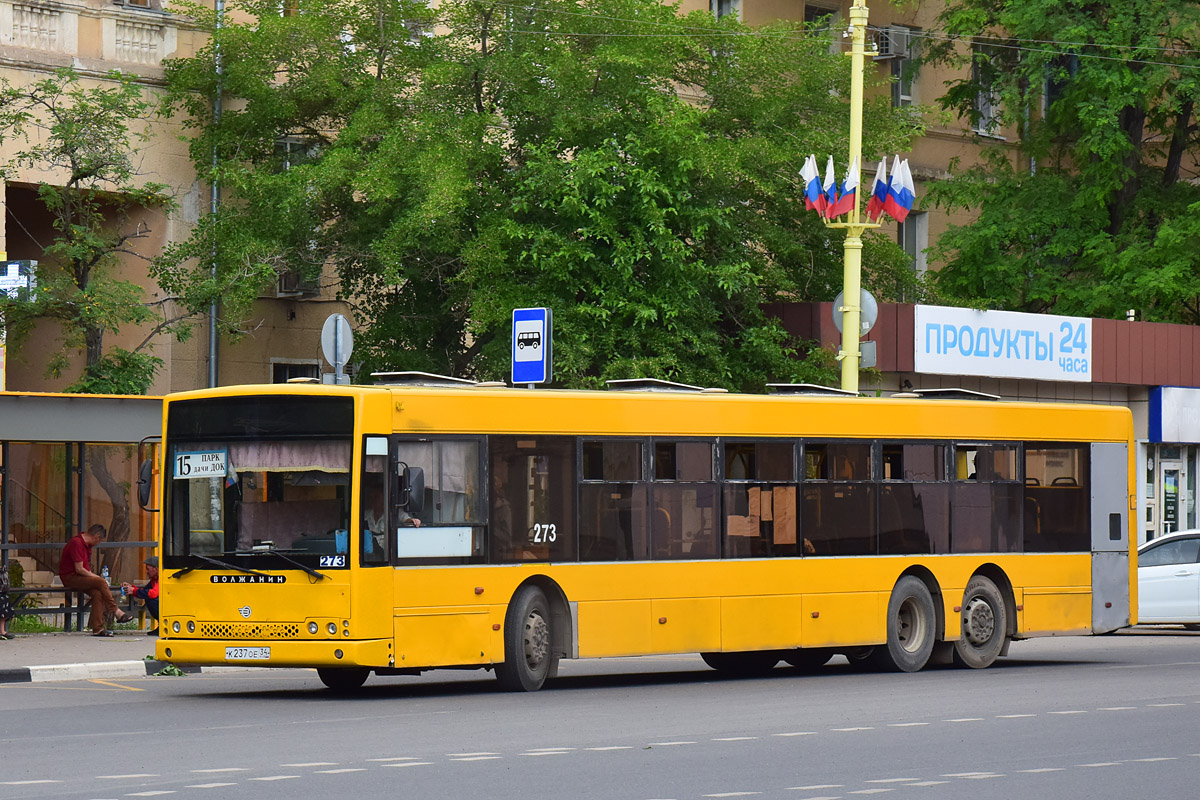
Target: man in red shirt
75	569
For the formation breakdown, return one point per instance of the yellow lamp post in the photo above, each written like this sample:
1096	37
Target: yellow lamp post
852	248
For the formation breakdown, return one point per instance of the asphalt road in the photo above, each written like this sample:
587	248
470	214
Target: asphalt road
1107	717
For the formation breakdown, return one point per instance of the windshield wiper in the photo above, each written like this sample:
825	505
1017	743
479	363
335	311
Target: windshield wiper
220	564
286	558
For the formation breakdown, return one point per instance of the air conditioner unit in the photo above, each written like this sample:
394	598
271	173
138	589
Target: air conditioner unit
290	284
893	42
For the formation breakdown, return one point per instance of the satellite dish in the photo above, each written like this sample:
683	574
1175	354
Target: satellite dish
866	317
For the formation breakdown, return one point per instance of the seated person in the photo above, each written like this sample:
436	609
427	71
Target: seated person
149	592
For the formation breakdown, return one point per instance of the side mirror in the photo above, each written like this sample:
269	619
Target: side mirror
145	484
412	489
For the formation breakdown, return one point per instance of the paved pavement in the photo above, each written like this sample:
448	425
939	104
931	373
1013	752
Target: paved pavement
76	656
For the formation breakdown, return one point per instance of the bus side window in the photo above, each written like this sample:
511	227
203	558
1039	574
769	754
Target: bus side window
532	512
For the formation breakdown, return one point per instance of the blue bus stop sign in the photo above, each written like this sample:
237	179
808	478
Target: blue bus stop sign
531	338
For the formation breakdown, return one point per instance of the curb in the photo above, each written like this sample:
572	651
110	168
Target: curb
80	672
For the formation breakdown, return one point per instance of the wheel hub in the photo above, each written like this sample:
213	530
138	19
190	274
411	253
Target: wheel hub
537	640
979	621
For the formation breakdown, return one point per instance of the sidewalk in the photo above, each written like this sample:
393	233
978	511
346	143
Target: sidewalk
77	656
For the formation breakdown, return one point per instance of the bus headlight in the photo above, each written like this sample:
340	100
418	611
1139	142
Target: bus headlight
312	628
332	628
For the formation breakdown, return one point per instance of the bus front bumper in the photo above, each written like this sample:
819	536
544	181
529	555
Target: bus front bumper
275	653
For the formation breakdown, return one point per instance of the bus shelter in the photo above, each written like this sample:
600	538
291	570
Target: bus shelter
66	463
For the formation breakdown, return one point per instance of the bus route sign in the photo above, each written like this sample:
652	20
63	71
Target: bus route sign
532	333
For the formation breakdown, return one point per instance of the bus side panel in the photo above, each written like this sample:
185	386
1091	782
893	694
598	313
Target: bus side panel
760	623
1056	611
428	637
686	625
615	628
844	619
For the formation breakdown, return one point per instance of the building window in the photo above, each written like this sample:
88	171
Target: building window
984	72
902	43
723	8
819	15
914	238
284	371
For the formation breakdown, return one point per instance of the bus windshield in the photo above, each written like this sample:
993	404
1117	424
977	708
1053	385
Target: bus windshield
230	497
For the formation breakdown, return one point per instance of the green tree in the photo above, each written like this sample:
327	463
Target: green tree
88	136
632	169
1092	210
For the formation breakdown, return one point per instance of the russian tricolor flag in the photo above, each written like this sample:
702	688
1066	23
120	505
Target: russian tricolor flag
812	182
901	191
828	190
845	203
879	191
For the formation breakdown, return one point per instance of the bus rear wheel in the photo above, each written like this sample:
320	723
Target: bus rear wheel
984	625
753	662
911	628
529	657
343	679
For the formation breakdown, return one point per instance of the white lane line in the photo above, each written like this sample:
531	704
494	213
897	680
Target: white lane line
411	764
1066	712
983	776
26	783
928	783
892	780
274	778
870	791
1166	705
546	753
395	758
851	730
1150	760
312	764
611	747
1101	764
131	775
966	774
208	785
965	719
1119	708
154	793
732	794
1043	769
224	769
736	739
906	724
467	755
796	733
477	758
814	787
668	744
339	771
1014	716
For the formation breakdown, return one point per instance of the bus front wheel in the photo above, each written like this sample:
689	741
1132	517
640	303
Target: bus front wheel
343	679
529	657
911	627
984	625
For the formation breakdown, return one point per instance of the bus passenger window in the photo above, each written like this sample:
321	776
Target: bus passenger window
532	510
838	500
684	501
760	500
914	499
986	499
613	503
1057	505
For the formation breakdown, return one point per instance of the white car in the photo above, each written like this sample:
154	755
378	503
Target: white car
1169	579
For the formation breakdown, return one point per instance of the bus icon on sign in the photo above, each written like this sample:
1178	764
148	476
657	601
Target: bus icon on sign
529	339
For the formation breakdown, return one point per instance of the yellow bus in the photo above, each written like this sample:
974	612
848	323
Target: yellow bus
402	528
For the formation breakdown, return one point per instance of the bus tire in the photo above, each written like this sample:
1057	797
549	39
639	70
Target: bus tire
911	628
808	659
528	643
984	625
343	679
752	662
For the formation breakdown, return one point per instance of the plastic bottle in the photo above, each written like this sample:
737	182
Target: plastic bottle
104	573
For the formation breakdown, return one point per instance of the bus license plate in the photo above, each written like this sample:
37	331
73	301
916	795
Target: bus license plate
247	653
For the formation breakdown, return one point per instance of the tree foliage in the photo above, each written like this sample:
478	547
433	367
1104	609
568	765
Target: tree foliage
86	136
634	170
1093	209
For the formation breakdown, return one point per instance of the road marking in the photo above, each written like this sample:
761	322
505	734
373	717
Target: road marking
546	753
1119	708
411	764
1066	712
209	785
154	793
275	778
1043	769
395	758
796	733
967	774
870	791
965	719
668	744
1014	716
814	787
339	771
477	758
1165	705
851	730
733	794
928	783
224	769
906	724
26	783
1161	758
115	685
312	764
892	780
1101	764
983	776
132	775
468	755
611	747
736	739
